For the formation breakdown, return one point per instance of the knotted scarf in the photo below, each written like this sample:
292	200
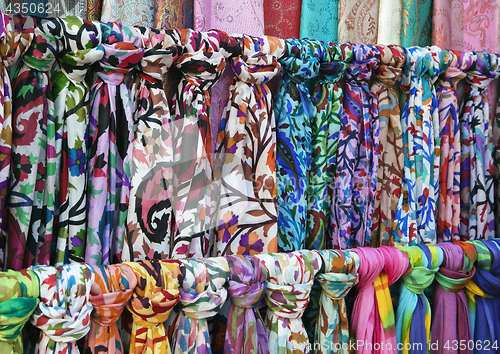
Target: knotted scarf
415	220
16	34
291	276
294	112
413	317
157	292
110	137
32	191
150	217
450	317
449	126
326	97
201	65
332	324
202	294
71	95
245	331
477	192
390	156
357	153
112	289
245	157
63	314
18	300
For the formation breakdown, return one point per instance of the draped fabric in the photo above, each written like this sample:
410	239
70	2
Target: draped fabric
358	21
63	316
291	276
415	220
202	294
416	23
326	97
389	22
413	317
32	189
448	223
110	144
112	289
391	153
71	97
150	216
245	331
245	157
281	19
332	324
16	34
94	8
18	300
319	20
201	65
477	190
129	13
357	153
174	14
450	317
156	293
294	112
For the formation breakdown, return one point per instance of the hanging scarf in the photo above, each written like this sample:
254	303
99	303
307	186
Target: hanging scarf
31	208
391	160
94	8
18	300
202	294
150	217
245	331
63	314
389	22
245	154
71	94
450	317
157	292
477	196
294	112
319	20
201	65
174	14
291	276
281	19
449	126
357	154
110	140
358	21
415	220
112	289
16	35
332	324
326	97
413	317
416	23
137	13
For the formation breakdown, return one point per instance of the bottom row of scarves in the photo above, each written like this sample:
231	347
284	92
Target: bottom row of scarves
440	294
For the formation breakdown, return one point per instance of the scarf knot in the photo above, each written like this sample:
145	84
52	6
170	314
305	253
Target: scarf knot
202	305
288	301
483	71
118	60
256	69
304	60
419	279
453	281
366	59
392	60
15	37
44	49
453	74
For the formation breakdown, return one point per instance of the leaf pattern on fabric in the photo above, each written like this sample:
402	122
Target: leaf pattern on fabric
416	22
110	138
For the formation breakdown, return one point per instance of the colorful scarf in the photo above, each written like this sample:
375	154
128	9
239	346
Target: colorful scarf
157	292
110	137
357	153
413	317
245	156
282	19
150	217
391	153
450	317
202	294
332	324
32	189
18	300
358	21
326	97
294	112
137	13
174	14
245	331
71	95
477	197
16	35
112	289
319	20
415	220
416	23
63	314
